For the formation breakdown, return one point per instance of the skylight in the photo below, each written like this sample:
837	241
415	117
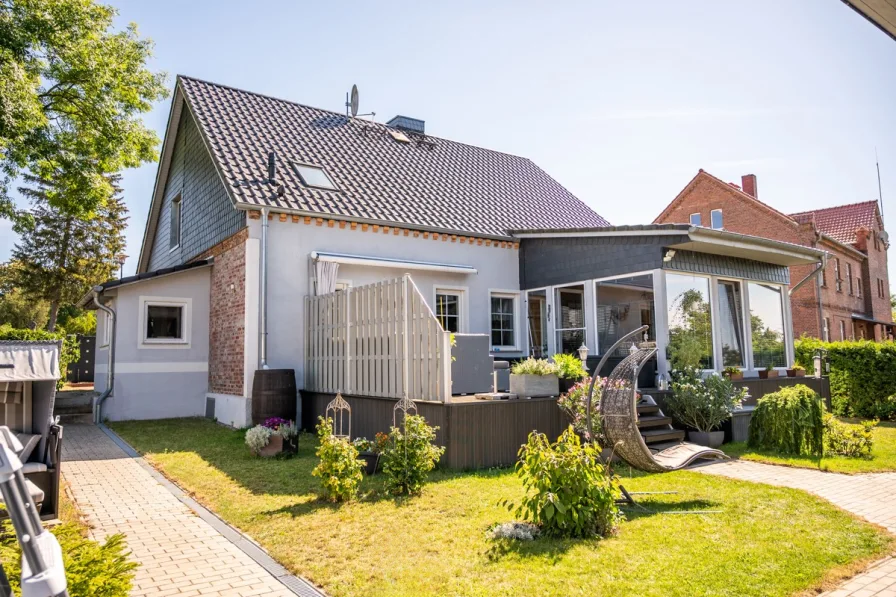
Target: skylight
314	176
399	136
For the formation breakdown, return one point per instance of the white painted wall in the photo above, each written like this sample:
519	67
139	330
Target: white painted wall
290	270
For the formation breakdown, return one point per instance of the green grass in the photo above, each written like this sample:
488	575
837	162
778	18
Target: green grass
883	456
765	541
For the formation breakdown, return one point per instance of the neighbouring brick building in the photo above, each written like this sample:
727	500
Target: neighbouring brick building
851	298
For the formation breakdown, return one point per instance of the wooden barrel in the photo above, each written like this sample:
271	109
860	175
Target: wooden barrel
273	394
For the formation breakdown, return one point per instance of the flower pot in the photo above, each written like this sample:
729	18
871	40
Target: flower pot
735	376
796	373
371	462
530	386
291	446
766	374
274	447
711	439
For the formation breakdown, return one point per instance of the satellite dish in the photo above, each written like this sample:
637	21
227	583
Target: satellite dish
354	101
884	236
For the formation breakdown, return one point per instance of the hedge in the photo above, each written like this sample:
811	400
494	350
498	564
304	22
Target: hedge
863	375
71	350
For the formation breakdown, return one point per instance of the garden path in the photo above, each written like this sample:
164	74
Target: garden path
871	496
181	548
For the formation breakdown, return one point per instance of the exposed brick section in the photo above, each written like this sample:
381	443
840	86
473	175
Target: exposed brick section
743	212
227	318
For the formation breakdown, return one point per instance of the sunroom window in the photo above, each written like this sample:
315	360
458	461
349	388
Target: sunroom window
623	305
570	303
767	325
731	323
690	321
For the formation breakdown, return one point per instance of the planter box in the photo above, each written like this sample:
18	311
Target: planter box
712	439
796	373
532	386
764	374
371	462
735	376
274	447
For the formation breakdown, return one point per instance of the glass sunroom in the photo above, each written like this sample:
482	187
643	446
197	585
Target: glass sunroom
709	297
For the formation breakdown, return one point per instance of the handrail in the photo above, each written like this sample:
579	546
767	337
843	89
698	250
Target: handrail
597	370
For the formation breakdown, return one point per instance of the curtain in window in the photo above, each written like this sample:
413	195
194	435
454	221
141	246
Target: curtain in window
326	276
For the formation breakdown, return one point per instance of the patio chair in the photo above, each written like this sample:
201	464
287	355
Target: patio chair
619	415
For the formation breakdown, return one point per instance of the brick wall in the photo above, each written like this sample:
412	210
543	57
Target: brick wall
227	317
875	268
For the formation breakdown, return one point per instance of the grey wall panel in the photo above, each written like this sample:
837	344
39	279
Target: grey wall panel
735	267
207	215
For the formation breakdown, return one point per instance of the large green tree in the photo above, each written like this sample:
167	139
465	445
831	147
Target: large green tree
16	308
72	90
63	254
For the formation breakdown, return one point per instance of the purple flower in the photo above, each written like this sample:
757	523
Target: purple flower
275	422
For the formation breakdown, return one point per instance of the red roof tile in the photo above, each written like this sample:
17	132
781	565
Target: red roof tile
842	221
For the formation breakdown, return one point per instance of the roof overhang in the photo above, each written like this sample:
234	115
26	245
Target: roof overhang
345	258
860	317
881	13
86	301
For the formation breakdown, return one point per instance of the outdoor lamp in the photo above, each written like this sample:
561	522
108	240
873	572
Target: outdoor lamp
120	259
583	352
816	361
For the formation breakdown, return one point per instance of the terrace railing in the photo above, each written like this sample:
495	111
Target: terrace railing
380	340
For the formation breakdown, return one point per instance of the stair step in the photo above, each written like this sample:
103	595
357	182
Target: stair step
76	419
646	409
73	409
654	421
662	435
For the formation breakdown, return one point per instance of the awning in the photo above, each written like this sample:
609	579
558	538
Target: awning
28	361
345	258
860	317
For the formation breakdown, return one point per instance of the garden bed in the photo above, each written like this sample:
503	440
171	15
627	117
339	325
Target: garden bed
435	544
883	455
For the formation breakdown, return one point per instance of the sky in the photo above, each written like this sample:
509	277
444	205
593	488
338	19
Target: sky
621	102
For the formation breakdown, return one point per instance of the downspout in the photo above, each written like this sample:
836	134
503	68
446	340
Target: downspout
814	275
110	369
263	291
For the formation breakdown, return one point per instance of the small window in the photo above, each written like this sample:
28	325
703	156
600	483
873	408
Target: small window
448	306
164	322
174	223
716	217
695	220
849	277
842	330
859	287
838	281
503	312
826	332
314	176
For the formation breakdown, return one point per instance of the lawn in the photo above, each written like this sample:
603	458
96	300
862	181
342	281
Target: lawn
764	541
883	456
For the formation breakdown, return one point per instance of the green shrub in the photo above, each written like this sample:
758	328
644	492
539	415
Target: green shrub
844	439
91	569
788	421
569	492
569	366
532	366
863	375
409	455
339	468
70	353
703	404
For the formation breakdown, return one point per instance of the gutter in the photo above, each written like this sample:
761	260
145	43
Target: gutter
813	274
110	369
348	259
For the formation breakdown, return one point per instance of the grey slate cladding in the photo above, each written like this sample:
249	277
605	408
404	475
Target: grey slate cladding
207	215
451	187
554	261
720	265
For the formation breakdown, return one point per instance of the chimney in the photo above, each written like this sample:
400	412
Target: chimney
405	123
748	183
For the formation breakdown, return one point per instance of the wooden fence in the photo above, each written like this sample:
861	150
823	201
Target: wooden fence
376	340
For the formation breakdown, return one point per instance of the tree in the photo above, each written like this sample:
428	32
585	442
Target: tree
62	255
72	90
16	309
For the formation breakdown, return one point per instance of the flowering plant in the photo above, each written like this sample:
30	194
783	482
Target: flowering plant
285	428
362	444
380	442
258	437
703	404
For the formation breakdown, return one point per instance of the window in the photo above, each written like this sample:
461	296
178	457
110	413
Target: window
164	322
537	310
448	310
837	279
824	278
849	276
690	321
859	287
624	304
716	219
570	322
503	311
341	285
695	220
731	323
842	330
826	332
174	223
314	176
767	325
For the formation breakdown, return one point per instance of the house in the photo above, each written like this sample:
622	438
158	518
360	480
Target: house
850	298
287	237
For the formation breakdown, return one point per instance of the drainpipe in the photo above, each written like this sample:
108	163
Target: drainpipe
110	370
814	275
263	291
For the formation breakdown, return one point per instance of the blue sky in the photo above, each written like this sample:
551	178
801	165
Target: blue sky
620	102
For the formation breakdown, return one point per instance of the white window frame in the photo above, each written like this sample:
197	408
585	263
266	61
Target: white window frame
546	315
786	320
179	201
826	329
842	330
713	312
745	322
297	169
699	219
462	292
107	327
341	284
721	219
186	305
517	332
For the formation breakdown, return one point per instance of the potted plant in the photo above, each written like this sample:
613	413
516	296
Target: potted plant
534	377
570	370
768	373
733	373
703	405
287	431
796	371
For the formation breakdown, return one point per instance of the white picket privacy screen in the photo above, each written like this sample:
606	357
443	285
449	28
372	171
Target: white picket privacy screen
376	340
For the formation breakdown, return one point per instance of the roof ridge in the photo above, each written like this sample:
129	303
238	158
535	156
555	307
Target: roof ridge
812	211
335	113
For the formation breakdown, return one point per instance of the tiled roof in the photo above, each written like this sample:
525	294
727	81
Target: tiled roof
842	221
452	186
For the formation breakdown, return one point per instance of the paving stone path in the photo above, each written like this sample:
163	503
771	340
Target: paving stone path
873	497
179	553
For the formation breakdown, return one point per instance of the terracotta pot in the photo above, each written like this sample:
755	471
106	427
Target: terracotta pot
274	447
371	462
735	376
796	373
712	439
765	374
